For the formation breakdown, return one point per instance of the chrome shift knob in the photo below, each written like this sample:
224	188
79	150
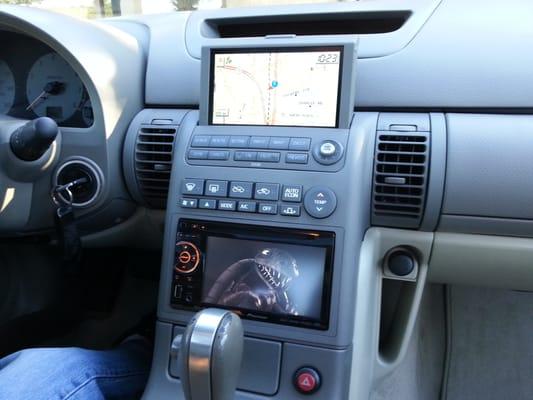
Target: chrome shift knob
210	354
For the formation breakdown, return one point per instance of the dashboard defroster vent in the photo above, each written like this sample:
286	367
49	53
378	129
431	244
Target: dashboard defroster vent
153	163
400	178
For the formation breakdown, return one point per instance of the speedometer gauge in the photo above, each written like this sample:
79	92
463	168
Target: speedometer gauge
53	88
7	88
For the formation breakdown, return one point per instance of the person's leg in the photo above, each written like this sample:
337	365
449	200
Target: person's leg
76	374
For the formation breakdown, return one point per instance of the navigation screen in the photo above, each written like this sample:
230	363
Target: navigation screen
266	277
283	87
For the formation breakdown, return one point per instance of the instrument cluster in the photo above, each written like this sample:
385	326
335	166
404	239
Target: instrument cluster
35	81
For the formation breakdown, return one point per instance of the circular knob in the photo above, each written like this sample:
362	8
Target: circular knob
187	257
327	152
32	140
327	149
320	202
400	261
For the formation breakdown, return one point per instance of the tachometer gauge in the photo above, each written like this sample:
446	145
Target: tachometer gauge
7	88
53	88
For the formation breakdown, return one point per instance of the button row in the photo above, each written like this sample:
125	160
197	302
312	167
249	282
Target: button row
260	156
242	206
241	190
252	142
208	155
319	201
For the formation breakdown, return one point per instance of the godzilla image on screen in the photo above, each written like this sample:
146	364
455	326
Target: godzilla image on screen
266	277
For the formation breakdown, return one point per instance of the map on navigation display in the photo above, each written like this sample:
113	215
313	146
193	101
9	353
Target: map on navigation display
287	88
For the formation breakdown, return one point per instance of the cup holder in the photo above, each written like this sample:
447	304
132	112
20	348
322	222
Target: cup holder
86	193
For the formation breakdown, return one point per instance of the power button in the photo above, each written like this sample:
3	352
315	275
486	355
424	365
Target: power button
307	380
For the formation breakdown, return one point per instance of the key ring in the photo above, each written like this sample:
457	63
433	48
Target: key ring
57	192
57	197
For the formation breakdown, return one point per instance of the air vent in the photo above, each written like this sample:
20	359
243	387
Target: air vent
400	178
153	163
344	23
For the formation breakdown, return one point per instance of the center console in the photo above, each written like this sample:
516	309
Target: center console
268	203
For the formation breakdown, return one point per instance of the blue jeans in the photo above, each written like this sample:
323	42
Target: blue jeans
75	373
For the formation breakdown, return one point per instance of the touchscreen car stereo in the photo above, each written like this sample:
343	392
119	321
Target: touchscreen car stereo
297	82
269	274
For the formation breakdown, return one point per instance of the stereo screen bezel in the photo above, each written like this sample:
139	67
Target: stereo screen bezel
201	231
345	92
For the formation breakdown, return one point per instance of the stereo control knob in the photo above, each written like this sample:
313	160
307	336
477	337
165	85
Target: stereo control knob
187	257
327	152
327	149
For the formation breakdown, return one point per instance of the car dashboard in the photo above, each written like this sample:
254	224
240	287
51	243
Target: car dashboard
414	169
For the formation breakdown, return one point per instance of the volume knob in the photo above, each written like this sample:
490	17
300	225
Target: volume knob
327	152
187	257
327	149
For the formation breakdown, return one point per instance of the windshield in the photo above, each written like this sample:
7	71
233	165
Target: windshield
109	8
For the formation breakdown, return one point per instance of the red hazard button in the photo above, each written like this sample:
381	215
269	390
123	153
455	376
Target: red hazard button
307	380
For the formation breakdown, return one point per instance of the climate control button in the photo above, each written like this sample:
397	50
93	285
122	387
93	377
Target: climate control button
320	202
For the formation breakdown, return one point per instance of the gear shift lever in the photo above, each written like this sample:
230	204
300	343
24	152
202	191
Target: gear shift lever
210	354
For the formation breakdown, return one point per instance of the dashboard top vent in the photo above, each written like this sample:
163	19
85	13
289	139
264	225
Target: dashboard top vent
400	178
343	23
153	162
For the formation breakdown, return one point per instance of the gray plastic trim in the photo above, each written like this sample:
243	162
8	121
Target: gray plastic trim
450	57
479	260
258	355
437	172
143	230
200	34
172	75
351	184
369	366
489	166
333	366
486	226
